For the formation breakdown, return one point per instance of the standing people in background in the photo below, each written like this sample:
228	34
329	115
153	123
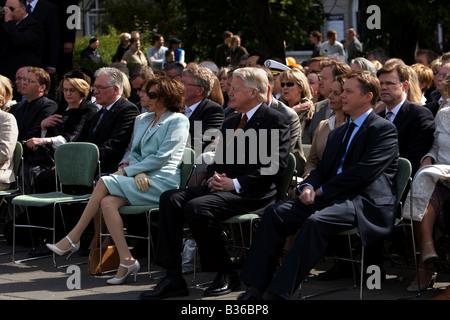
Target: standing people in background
134	56
47	13
91	52
67	38
354	46
155	54
21	39
175	45
316	39
236	51
122	48
332	48
221	53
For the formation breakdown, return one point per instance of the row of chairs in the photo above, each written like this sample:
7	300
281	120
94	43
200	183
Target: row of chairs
77	163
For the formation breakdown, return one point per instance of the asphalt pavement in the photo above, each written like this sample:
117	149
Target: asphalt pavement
40	280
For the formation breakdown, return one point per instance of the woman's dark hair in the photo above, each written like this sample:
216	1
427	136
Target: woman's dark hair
172	91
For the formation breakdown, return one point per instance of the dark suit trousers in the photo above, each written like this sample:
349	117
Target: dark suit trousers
316	224
201	210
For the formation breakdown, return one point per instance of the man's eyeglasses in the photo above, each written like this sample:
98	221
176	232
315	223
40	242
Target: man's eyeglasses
287	84
96	87
12	8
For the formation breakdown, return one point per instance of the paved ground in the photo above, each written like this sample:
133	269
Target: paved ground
40	280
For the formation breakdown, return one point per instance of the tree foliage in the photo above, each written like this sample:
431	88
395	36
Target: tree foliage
262	24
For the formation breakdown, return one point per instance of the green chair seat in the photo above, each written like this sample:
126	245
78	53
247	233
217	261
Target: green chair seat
46	199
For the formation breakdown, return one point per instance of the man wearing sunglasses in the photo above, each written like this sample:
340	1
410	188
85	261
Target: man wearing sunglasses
21	39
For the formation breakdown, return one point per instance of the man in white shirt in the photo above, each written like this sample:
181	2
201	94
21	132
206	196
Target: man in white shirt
155	54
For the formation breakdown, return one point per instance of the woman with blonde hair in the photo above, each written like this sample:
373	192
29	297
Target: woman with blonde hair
8	135
296	94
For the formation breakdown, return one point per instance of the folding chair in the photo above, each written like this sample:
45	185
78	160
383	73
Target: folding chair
76	163
17	160
402	179
186	168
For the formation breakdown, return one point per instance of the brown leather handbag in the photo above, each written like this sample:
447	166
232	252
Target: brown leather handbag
110	260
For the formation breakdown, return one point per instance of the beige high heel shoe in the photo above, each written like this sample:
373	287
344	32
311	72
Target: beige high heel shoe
73	248
427	278
134	268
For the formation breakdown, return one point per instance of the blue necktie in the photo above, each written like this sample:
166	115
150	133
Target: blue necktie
344	146
104	110
28	8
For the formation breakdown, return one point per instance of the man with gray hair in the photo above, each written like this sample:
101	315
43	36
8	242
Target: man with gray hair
203	113
110	129
238	181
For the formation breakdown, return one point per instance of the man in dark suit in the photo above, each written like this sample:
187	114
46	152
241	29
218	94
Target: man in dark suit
354	185
111	128
203	113
415	124
21	39
238	181
36	107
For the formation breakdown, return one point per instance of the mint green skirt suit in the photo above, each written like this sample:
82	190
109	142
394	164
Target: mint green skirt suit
158	152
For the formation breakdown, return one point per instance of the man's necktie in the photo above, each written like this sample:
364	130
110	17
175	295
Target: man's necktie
389	115
104	110
344	146
28	8
241	125
243	122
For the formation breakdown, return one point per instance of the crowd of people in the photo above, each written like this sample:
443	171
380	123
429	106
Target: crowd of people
358	114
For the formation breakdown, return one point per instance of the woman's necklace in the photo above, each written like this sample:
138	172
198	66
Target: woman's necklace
148	130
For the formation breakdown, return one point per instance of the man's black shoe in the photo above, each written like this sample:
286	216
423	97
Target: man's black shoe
166	288
340	270
223	284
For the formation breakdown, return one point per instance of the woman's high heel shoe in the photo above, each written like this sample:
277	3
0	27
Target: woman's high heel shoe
73	248
429	253
427	279
134	268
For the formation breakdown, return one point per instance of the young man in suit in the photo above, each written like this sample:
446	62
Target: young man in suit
415	124
237	182
354	185
203	113
111	128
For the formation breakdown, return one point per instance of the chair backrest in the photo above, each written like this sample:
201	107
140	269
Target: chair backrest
403	176
17	158
285	181
186	167
76	163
